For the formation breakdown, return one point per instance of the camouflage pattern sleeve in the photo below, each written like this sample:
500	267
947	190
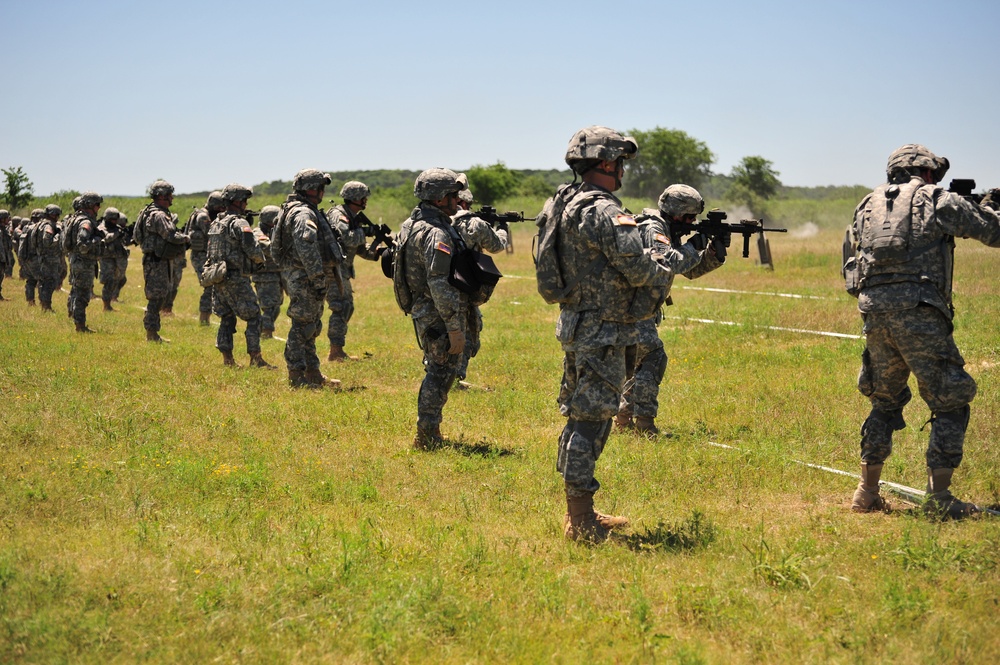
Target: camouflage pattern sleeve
962	218
437	248
350	238
88	239
617	234
248	241
305	238
478	233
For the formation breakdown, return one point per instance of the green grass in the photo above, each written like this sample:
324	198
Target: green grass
155	506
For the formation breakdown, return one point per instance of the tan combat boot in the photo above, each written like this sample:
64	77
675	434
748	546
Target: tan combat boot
227	359
257	360
866	497
167	311
82	328
428	437
267	334
646	425
940	501
204	318
108	307
583	524
337	355
153	336
623	421
319	380
297	379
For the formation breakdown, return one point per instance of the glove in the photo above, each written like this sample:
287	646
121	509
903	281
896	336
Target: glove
726	237
719	247
456	342
699	241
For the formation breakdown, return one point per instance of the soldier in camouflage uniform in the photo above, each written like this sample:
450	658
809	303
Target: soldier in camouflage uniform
27	257
231	240
6	250
602	262
114	262
479	235
85	245
905	233
47	267
646	360
197	229
157	235
64	254
267	277
340	294
304	244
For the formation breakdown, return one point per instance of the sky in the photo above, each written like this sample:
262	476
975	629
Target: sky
109	95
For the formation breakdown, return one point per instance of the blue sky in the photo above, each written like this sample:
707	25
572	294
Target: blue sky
111	95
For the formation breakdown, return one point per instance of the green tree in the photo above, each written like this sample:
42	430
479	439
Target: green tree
491	183
18	190
666	156
754	182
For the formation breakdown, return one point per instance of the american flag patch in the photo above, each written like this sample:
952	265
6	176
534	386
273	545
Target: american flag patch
443	247
662	238
625	220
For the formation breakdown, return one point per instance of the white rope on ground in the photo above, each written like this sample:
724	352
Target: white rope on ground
778	328
753	293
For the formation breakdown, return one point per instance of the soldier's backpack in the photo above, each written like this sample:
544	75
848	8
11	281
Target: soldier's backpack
401	290
25	248
281	241
139	230
71	228
552	285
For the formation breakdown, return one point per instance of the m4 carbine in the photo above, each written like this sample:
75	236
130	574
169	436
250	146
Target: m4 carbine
714	227
489	214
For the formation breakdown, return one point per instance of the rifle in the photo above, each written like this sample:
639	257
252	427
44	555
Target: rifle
963	187
490	214
381	233
714	227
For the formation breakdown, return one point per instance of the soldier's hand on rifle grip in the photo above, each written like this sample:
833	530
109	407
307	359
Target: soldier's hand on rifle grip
719	247
699	241
456	341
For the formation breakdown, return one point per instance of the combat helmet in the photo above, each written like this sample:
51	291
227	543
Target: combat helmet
436	183
912	158
677	200
52	209
160	188
354	191
310	179
111	213
268	215
236	192
595	143
88	199
215	202
4	215
466	193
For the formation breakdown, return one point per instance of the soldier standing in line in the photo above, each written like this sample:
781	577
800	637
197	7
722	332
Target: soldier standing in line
157	235
6	250
114	263
84	243
48	265
231	240
440	311
267	277
340	294
197	228
27	257
479	235
905	234
304	244
599	263
646	361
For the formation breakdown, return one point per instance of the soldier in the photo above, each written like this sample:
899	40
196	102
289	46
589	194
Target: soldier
197	227
267	277
592	249
440	311
345	221
114	262
68	219
84	242
47	266
6	250
157	235
304	244
905	236
646	361
231	240
26	256
479	235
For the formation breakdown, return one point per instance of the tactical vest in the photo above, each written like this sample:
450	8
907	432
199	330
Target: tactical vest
71	227
199	239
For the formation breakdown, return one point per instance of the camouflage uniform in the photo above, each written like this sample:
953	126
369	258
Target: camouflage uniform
311	254
231	239
197	227
6	250
47	266
439	309
340	294
84	256
114	262
906	305
27	258
267	277
178	263
646	360
160	241
479	235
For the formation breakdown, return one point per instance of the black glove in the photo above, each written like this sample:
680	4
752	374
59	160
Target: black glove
719	246
699	241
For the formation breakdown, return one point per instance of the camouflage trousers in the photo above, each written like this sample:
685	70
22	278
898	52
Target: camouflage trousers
234	297
645	365
81	278
158	281
176	272
589	393
198	263
440	368
30	285
48	271
473	331
340	298
917	341
270	296
113	277
305	309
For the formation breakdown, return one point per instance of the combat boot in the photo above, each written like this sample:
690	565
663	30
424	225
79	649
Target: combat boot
319	380
257	360
866	497
583	524
167	311
297	379
108	307
48	308
82	328
227	359
265	334
153	336
203	318
646	425
31	303
623	421
338	355
428	437
940	501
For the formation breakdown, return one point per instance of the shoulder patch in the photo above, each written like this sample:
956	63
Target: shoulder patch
247	229
662	238
443	247
85	225
624	220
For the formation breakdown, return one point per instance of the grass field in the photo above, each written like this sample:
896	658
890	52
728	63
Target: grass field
157	507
